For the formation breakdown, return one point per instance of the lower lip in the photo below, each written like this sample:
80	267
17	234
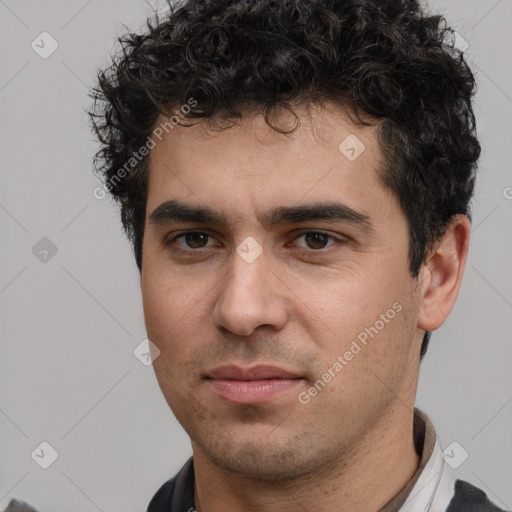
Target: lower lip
252	391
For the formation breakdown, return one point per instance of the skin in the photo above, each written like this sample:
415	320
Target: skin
299	306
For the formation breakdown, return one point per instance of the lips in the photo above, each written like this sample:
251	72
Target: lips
261	372
255	385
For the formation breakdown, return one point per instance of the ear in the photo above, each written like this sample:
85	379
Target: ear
440	277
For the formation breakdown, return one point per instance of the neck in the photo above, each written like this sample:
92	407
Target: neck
383	461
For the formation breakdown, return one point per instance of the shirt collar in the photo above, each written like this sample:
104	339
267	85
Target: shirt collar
431	486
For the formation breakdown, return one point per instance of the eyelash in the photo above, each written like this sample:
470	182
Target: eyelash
310	231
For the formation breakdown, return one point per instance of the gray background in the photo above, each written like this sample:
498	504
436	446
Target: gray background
68	375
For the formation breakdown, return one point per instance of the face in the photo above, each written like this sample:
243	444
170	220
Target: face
286	331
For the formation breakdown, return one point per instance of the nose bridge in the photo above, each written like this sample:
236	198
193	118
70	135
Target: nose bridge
249	295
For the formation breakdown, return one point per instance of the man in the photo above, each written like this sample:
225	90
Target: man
295	177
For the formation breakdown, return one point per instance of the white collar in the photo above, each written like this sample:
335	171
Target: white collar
434	488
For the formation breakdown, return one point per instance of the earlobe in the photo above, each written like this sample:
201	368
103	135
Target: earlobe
441	275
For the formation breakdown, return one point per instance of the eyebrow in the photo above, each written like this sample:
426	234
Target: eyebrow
176	211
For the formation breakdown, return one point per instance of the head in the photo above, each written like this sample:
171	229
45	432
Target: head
251	114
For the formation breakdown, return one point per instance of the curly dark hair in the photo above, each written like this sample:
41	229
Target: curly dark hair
387	61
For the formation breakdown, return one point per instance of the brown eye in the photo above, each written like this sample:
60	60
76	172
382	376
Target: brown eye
193	240
316	240
196	240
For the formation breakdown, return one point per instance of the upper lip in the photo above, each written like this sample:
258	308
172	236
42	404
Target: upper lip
260	372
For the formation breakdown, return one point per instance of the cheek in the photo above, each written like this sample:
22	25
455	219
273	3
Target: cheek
163	306
157	304
353	299
176	308
370	308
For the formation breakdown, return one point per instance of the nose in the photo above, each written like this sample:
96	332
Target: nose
251	295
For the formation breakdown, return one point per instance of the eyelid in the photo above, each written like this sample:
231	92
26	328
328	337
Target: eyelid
337	238
304	231
172	238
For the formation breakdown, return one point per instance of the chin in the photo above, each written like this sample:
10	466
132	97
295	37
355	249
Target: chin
278	461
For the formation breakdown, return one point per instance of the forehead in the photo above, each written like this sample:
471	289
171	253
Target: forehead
253	166
314	129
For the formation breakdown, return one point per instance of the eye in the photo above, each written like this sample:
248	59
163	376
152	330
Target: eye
317	240
193	240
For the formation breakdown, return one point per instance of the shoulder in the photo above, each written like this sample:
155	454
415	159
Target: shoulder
468	498
19	506
177	494
160	501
